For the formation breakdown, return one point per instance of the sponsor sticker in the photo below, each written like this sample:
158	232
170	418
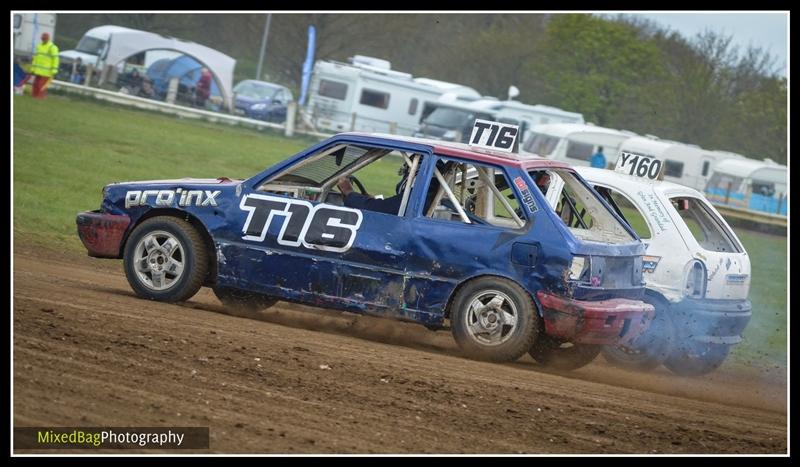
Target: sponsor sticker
527	197
179	197
736	278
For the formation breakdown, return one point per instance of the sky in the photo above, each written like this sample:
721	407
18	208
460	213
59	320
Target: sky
768	30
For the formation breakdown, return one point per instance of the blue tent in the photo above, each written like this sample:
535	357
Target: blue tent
186	68
19	74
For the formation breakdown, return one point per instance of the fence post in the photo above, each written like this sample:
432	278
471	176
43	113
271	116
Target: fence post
89	72
353	122
103	76
74	70
728	192
172	90
291	114
780	203
393	128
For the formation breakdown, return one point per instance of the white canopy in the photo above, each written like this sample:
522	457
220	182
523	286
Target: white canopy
125	43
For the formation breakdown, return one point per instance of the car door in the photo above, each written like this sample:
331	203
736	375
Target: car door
311	251
444	252
370	274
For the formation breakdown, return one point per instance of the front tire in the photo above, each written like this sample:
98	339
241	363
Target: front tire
554	354
493	319
165	259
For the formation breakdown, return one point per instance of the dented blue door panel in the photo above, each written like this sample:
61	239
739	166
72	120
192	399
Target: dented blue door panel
445	253
372	272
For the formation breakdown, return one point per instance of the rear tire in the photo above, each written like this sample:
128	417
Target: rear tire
165	259
696	358
649	350
551	353
493	319
242	301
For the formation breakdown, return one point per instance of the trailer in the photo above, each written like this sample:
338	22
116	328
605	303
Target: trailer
685	164
574	143
367	95
750	184
28	29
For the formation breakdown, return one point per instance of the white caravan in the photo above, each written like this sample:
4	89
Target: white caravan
28	29
750	184
685	164
452	118
367	95
574	143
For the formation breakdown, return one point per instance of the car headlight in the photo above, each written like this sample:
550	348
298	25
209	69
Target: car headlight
261	106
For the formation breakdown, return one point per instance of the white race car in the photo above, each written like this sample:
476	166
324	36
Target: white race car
696	269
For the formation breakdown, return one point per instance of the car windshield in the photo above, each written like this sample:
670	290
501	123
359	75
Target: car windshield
579	208
90	45
540	144
256	90
446	117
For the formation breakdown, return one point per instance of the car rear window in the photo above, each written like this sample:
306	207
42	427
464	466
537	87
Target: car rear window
580	208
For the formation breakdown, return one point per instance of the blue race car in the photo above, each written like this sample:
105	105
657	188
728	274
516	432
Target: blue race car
483	253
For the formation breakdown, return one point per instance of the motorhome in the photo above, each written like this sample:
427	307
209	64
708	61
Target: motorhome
93	47
685	164
28	29
367	95
574	143
750	184
451	118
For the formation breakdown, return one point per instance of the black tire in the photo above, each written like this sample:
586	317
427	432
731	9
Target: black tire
696	358
193	256
649	350
513	340
551	353
242	301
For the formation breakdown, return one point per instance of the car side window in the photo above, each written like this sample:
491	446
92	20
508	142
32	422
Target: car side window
351	175
472	194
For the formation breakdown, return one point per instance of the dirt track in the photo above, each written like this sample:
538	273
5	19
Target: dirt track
87	352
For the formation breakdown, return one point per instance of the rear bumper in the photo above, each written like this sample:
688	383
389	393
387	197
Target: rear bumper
601	322
712	321
102	233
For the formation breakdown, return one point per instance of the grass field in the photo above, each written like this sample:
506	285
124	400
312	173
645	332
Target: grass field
65	150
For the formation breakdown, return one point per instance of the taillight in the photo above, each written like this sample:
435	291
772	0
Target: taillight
696	280
580	267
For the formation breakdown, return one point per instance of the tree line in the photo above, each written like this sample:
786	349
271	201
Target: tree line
618	71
